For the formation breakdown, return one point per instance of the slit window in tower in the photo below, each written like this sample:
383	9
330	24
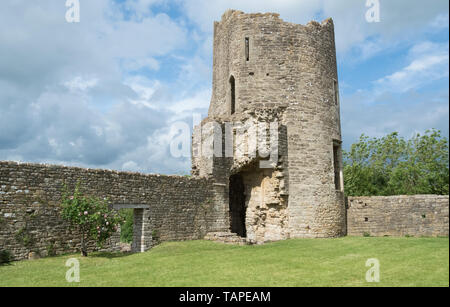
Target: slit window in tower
247	48
336	92
233	95
337	166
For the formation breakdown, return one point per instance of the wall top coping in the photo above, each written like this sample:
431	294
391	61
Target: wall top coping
240	14
5	164
351	198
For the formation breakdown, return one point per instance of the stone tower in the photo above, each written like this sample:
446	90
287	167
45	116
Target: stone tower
274	83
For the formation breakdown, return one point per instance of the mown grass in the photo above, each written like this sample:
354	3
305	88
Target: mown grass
303	262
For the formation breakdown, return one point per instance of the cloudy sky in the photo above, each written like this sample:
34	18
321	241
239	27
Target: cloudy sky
104	92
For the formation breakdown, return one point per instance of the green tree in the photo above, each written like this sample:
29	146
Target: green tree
91	216
391	165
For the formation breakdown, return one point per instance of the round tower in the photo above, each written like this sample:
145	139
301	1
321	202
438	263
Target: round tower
264	63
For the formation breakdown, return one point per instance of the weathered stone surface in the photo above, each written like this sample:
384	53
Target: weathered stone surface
179	208
226	237
285	73
415	215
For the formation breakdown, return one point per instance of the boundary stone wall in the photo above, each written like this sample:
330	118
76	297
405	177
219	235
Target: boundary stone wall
414	215
168	208
179	208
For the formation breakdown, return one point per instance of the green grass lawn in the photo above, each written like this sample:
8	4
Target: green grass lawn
304	262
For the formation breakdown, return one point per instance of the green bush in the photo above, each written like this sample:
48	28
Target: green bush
155	235
22	236
51	250
5	256
91	216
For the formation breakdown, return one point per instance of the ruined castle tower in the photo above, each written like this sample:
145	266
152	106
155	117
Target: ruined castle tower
274	82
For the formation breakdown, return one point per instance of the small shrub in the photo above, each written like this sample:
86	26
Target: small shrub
26	240
90	216
155	235
5	257
51	250
366	234
23	237
19	234
408	236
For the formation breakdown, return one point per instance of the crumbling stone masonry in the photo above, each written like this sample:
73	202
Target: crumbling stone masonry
270	71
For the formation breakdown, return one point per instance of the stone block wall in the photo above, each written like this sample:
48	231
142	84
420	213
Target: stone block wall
179	208
414	215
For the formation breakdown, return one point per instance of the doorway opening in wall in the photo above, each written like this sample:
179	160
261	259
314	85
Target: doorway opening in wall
134	229
126	228
237	205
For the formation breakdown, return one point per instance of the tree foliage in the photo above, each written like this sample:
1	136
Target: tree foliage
91	216
126	227
392	165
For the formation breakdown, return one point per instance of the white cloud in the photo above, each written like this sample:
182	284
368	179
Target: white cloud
65	93
198	103
154	35
145	89
399	19
441	21
140	63
380	115
81	84
429	62
130	166
76	94
180	106
291	10
395	102
141	8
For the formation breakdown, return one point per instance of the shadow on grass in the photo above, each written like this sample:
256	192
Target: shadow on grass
110	255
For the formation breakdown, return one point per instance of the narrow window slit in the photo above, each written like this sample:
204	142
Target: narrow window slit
336	92
233	95
247	49
337	165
